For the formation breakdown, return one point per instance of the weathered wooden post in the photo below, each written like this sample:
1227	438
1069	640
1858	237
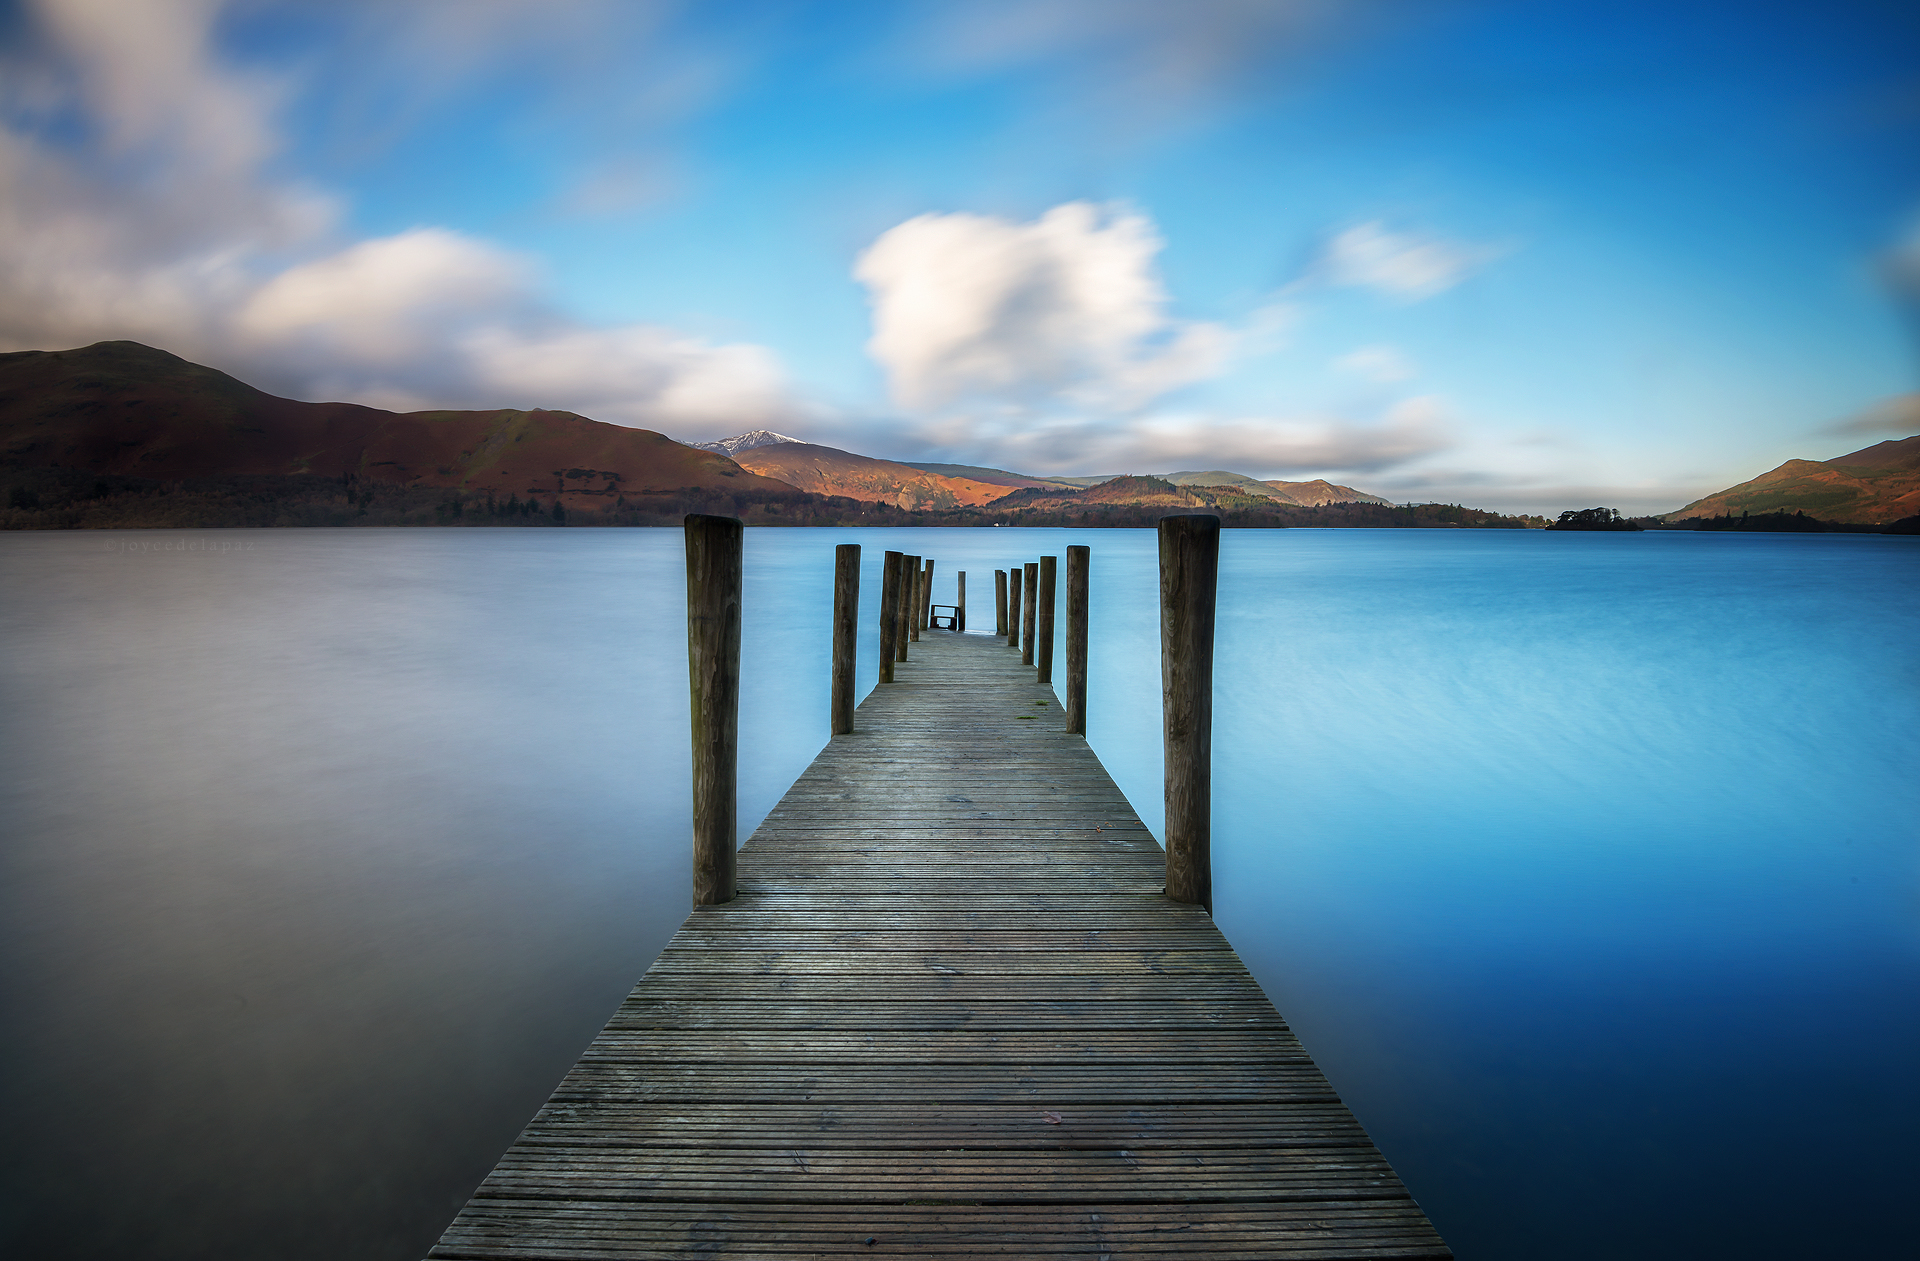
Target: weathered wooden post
1000	602
1029	603
1189	574
889	612
846	627
909	566
914	586
1013	608
1077	640
960	605
1043	623
926	600
714	570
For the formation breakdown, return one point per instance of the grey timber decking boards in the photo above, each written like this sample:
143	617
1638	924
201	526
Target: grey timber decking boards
950	1014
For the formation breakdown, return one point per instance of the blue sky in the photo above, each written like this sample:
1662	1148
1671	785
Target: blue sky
1518	255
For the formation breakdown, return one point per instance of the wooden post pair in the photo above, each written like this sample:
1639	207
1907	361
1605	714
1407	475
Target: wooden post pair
911	577
1030	617
1036	637
906	605
1189	580
1013	609
1189	577
715	570
897	572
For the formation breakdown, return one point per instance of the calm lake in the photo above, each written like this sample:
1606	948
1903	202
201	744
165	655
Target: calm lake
1585	865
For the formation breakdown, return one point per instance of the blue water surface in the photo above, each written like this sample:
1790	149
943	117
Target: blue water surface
1586	866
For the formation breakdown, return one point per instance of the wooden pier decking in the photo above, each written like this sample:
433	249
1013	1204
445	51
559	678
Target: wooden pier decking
950	1014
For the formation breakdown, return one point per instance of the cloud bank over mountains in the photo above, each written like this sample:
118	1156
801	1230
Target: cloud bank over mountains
1049	344
143	202
147	201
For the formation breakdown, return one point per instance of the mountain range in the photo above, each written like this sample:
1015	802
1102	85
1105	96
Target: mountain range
103	434
122	410
831	471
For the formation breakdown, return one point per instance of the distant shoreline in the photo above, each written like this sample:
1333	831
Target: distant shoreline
72	499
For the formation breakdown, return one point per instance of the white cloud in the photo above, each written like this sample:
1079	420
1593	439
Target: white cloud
1384	364
637	374
385	302
433	318
1066	309
1403	265
1042	346
160	223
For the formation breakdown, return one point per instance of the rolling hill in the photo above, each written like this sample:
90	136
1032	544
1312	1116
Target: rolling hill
1320	492
1313	494
991	476
1872	486
1124	491
1307	494
831	471
128	410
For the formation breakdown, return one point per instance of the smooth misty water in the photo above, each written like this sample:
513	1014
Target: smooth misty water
1585	865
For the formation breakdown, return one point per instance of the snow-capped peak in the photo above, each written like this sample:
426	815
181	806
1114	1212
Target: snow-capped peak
745	442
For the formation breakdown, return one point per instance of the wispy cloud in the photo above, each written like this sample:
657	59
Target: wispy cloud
1901	264
1162	441
1898	415
1383	364
1124	62
1403	265
606	76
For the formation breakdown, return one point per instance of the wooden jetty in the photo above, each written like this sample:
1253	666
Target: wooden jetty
949	1013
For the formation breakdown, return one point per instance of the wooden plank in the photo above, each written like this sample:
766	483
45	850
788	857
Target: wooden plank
950	1013
678	1013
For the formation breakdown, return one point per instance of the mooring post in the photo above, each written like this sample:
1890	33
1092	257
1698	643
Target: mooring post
1013	608
1029	604
1077	640
1000	602
1189	574
913	599
1043	624
909	566
960	605
889	612
846	626
714	569
926	600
